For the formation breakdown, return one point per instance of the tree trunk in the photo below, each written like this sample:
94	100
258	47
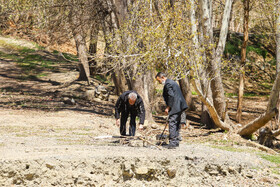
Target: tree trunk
278	54
79	34
83	58
119	82
212	111
246	4
276	133
141	85
216	82
240	95
274	95
186	90
198	40
93	48
257	123
278	37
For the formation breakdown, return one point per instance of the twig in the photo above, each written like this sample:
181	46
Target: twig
149	142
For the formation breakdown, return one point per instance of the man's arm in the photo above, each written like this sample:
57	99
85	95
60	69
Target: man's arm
142	112
170	95
117	108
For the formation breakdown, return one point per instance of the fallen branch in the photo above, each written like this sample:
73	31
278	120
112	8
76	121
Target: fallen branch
276	133
261	147
253	126
212	111
149	142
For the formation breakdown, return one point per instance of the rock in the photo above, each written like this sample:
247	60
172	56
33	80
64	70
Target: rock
67	100
214	172
29	176
171	173
154	126
101	92
232	170
141	171
49	166
90	95
127	175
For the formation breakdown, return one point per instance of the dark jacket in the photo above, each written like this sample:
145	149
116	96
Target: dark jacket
123	106
173	97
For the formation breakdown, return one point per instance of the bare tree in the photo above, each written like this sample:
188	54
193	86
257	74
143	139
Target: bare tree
246	7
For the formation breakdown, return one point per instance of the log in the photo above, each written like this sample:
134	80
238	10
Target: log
276	133
253	126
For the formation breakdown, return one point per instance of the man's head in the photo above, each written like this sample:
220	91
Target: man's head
132	98
161	77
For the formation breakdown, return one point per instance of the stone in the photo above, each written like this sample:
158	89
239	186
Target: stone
49	166
154	126
141	171
90	95
171	173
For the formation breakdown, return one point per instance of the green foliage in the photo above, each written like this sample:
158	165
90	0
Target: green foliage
258	50
151	40
102	79
233	46
159	91
194	93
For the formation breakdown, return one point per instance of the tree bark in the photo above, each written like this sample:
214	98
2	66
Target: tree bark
212	111
93	48
83	58
276	133
119	81
246	5
141	85
215	75
274	95
79	34
278	54
257	123
278	37
186	90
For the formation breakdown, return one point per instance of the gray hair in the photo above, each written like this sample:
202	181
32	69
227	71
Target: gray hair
132	96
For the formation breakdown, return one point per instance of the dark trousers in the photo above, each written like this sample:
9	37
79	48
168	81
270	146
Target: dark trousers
132	124
174	128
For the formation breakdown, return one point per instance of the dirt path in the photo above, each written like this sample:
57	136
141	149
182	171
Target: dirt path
57	148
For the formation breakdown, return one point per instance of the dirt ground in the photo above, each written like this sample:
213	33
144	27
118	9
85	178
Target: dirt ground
50	135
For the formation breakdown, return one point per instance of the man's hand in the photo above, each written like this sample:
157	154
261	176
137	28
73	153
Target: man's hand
141	127
118	122
167	110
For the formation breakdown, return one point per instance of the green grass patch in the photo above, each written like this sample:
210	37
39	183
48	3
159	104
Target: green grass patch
228	148
266	85
250	94
271	158
231	94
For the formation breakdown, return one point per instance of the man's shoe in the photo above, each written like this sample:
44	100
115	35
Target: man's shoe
170	146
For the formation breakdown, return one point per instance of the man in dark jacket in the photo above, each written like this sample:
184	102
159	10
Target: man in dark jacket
129	103
176	105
